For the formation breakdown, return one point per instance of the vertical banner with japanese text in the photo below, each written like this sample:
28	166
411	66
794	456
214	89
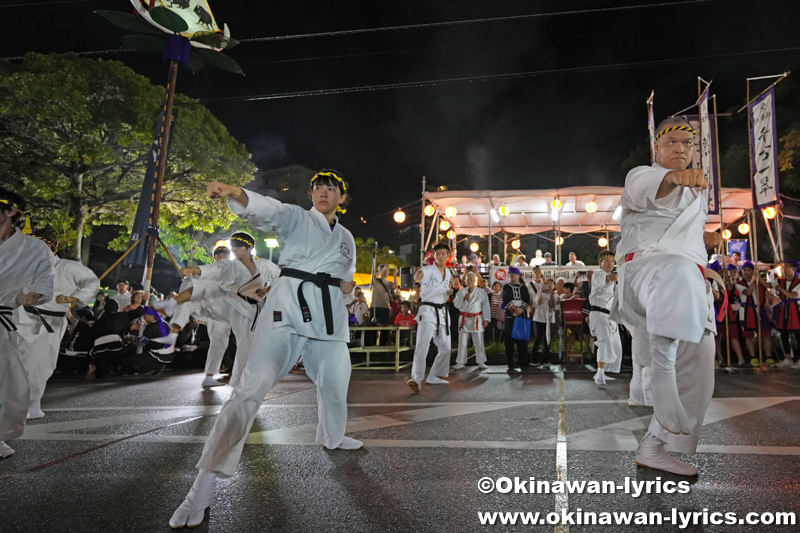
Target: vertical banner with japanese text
764	150
708	156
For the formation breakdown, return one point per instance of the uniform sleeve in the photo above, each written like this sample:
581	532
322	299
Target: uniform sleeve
43	273
487	308
86	282
458	301
217	271
641	188
266	214
269	271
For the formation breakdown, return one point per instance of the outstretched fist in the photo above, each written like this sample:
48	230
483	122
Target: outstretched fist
694	178
217	189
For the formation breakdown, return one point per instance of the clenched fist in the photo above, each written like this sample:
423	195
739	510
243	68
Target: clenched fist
693	178
712	240
217	189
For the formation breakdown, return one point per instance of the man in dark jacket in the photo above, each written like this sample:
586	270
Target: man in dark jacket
192	345
516	300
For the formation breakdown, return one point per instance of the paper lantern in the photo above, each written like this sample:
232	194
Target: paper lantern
744	228
591	207
770	212
451	234
451	212
602	242
726	234
444	225
556	203
504	210
399	216
515	244
559	240
474	247
429	210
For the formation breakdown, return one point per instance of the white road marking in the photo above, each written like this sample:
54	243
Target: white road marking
562	500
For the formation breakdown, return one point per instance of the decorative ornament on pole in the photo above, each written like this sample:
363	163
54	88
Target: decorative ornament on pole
515	244
474	247
504	210
450	212
726	234
744	228
444	225
602	242
770	212
429	210
399	216
591	207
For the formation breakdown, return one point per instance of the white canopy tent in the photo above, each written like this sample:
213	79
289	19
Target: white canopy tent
531	212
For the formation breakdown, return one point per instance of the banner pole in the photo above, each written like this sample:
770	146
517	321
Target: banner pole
776	82
422	226
754	230
118	261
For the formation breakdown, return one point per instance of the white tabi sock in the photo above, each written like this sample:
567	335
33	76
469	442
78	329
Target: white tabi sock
600	376
5	450
433	380
171	339
667	406
35	410
651	454
168	306
193	509
348	444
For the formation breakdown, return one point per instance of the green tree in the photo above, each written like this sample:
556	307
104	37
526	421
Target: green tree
74	137
365	248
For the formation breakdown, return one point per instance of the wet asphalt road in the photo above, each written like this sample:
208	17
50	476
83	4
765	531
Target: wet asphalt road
419	470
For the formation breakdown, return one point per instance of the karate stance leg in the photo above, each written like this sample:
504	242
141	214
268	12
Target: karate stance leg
441	365
14	392
38	351
480	351
219	334
425	332
463	342
640	394
667	406
328	366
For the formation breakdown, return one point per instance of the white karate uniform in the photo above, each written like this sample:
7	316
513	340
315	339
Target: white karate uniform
219	335
478	304
26	265
433	289
642	374
216	292
662	291
281	335
602	328
38	348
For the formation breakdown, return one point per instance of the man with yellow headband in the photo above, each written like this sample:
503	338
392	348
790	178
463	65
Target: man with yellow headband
229	291
304	314
26	278
40	328
663	291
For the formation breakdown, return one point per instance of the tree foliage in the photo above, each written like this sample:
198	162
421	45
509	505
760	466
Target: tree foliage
365	248
74	137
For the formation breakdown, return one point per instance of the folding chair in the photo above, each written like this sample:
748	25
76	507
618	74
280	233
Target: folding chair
574	324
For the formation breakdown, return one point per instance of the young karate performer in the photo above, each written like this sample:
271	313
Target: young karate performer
433	319
40	328
305	314
753	312
473	303
219	334
26	278
602	328
217	294
662	290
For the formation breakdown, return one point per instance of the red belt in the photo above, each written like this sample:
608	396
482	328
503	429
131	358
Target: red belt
470	315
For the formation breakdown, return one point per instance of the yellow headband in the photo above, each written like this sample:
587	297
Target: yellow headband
330	175
54	245
677	128
241	239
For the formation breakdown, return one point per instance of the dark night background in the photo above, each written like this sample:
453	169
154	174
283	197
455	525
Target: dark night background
550	130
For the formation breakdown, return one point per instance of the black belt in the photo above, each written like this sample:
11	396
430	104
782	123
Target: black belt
5	318
599	309
41	313
446	314
323	280
252	302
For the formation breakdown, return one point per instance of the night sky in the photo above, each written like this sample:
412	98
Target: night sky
559	129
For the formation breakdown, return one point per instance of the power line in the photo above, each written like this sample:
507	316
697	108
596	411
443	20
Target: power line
54	2
485	77
468	21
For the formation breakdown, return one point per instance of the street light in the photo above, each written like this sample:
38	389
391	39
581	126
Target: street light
399	216
271	244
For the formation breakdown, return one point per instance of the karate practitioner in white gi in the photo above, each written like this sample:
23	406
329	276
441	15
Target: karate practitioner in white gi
663	291
216	292
433	319
602	328
73	283
26	278
476	314
219	334
305	314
